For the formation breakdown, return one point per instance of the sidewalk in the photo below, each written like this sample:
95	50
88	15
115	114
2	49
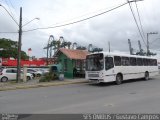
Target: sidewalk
35	84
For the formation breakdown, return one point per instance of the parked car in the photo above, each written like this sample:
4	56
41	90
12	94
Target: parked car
11	73
1	68
56	68
44	71
34	72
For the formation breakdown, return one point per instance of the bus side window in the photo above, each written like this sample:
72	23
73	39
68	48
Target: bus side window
148	61
125	61
117	60
155	62
133	61
145	62
139	62
151	62
108	63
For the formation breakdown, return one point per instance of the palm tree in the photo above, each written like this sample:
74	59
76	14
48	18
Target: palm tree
69	44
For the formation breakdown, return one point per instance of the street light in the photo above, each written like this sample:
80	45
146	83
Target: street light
148	41
30	21
19	45
19	40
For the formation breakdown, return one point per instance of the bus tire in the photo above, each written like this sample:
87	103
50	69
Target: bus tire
119	79
146	76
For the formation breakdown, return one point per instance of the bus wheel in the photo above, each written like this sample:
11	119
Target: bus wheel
119	79
146	76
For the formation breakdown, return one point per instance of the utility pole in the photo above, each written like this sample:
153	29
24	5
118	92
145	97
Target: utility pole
130	47
19	47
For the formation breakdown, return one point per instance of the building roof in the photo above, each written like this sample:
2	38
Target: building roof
74	54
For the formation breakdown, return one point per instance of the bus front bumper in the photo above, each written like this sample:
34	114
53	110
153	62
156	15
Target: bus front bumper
96	80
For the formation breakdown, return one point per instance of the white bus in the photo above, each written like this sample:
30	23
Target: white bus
106	67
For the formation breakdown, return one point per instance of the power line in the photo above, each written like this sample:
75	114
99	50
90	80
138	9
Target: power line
78	20
82	16
140	20
24	17
10	15
11	4
8	32
136	22
9	8
154	41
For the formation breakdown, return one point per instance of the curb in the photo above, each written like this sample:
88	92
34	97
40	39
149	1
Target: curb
41	85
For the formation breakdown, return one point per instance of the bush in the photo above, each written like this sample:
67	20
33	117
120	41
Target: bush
48	77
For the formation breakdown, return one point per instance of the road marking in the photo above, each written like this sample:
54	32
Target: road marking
132	93
109	105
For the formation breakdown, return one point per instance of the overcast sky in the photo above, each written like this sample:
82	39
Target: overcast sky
115	27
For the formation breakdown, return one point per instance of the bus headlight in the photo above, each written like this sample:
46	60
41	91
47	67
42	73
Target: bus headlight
101	75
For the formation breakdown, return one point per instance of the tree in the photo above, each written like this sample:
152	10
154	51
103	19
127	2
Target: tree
81	48
97	49
142	53
9	49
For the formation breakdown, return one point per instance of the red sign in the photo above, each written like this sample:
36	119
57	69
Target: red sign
8	62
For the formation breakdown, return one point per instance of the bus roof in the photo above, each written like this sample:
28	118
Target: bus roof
122	54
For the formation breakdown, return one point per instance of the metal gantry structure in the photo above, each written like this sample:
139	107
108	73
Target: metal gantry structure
54	45
140	48
130	47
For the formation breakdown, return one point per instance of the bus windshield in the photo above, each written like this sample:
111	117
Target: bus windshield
94	62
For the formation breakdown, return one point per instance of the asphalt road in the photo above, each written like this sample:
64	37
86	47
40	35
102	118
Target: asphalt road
134	96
